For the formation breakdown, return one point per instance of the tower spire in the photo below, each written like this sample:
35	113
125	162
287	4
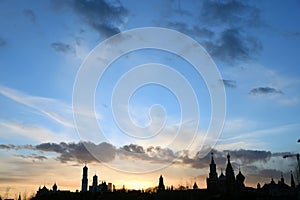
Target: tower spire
84	182
293	185
212	158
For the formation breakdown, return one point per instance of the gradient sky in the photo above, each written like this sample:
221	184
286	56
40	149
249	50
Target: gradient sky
255	46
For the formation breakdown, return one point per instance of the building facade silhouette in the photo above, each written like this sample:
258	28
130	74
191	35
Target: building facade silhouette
224	184
161	185
84	182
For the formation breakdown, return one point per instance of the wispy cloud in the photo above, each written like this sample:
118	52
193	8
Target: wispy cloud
2	42
260	138
265	90
63	47
30	14
17	131
196	31
51	108
230	13
233	44
229	83
102	16
222	27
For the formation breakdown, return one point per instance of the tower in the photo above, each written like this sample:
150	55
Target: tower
95	184
229	173
84	182
195	186
293	185
161	186
54	187
230	178
212	168
212	181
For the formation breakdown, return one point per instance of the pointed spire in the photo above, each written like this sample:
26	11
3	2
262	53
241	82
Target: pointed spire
228	157
272	181
292	180
229	172
282	179
212	158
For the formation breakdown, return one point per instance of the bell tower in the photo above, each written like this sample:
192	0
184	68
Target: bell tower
84	182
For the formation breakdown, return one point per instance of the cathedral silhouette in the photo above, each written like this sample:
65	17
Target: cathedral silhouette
227	183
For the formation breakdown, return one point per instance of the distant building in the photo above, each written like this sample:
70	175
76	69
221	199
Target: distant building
54	187
94	187
227	183
195	186
84	182
110	187
212	181
293	185
281	189
44	191
98	188
161	185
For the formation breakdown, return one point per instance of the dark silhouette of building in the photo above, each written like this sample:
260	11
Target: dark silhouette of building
293	185
161	185
212	181
84	182
224	184
240	178
94	187
54	187
195	186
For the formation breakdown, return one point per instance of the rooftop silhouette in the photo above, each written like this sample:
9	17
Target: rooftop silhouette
224	186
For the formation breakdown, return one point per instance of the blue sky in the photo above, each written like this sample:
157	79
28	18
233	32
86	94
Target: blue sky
255	46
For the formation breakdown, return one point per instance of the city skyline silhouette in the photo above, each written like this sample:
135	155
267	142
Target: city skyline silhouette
142	90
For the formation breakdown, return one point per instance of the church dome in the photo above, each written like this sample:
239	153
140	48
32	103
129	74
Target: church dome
240	177
222	177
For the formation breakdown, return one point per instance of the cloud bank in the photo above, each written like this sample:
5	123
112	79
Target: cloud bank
104	17
251	160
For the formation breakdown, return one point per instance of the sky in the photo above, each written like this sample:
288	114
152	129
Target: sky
50	127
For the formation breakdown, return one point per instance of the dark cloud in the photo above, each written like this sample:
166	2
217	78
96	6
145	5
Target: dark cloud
79	152
30	14
230	12
250	156
268	173
104	17
2	42
8	147
295	34
62	47
133	148
161	154
223	28
16	147
51	147
265	90
233	45
193	31
229	83
105	152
